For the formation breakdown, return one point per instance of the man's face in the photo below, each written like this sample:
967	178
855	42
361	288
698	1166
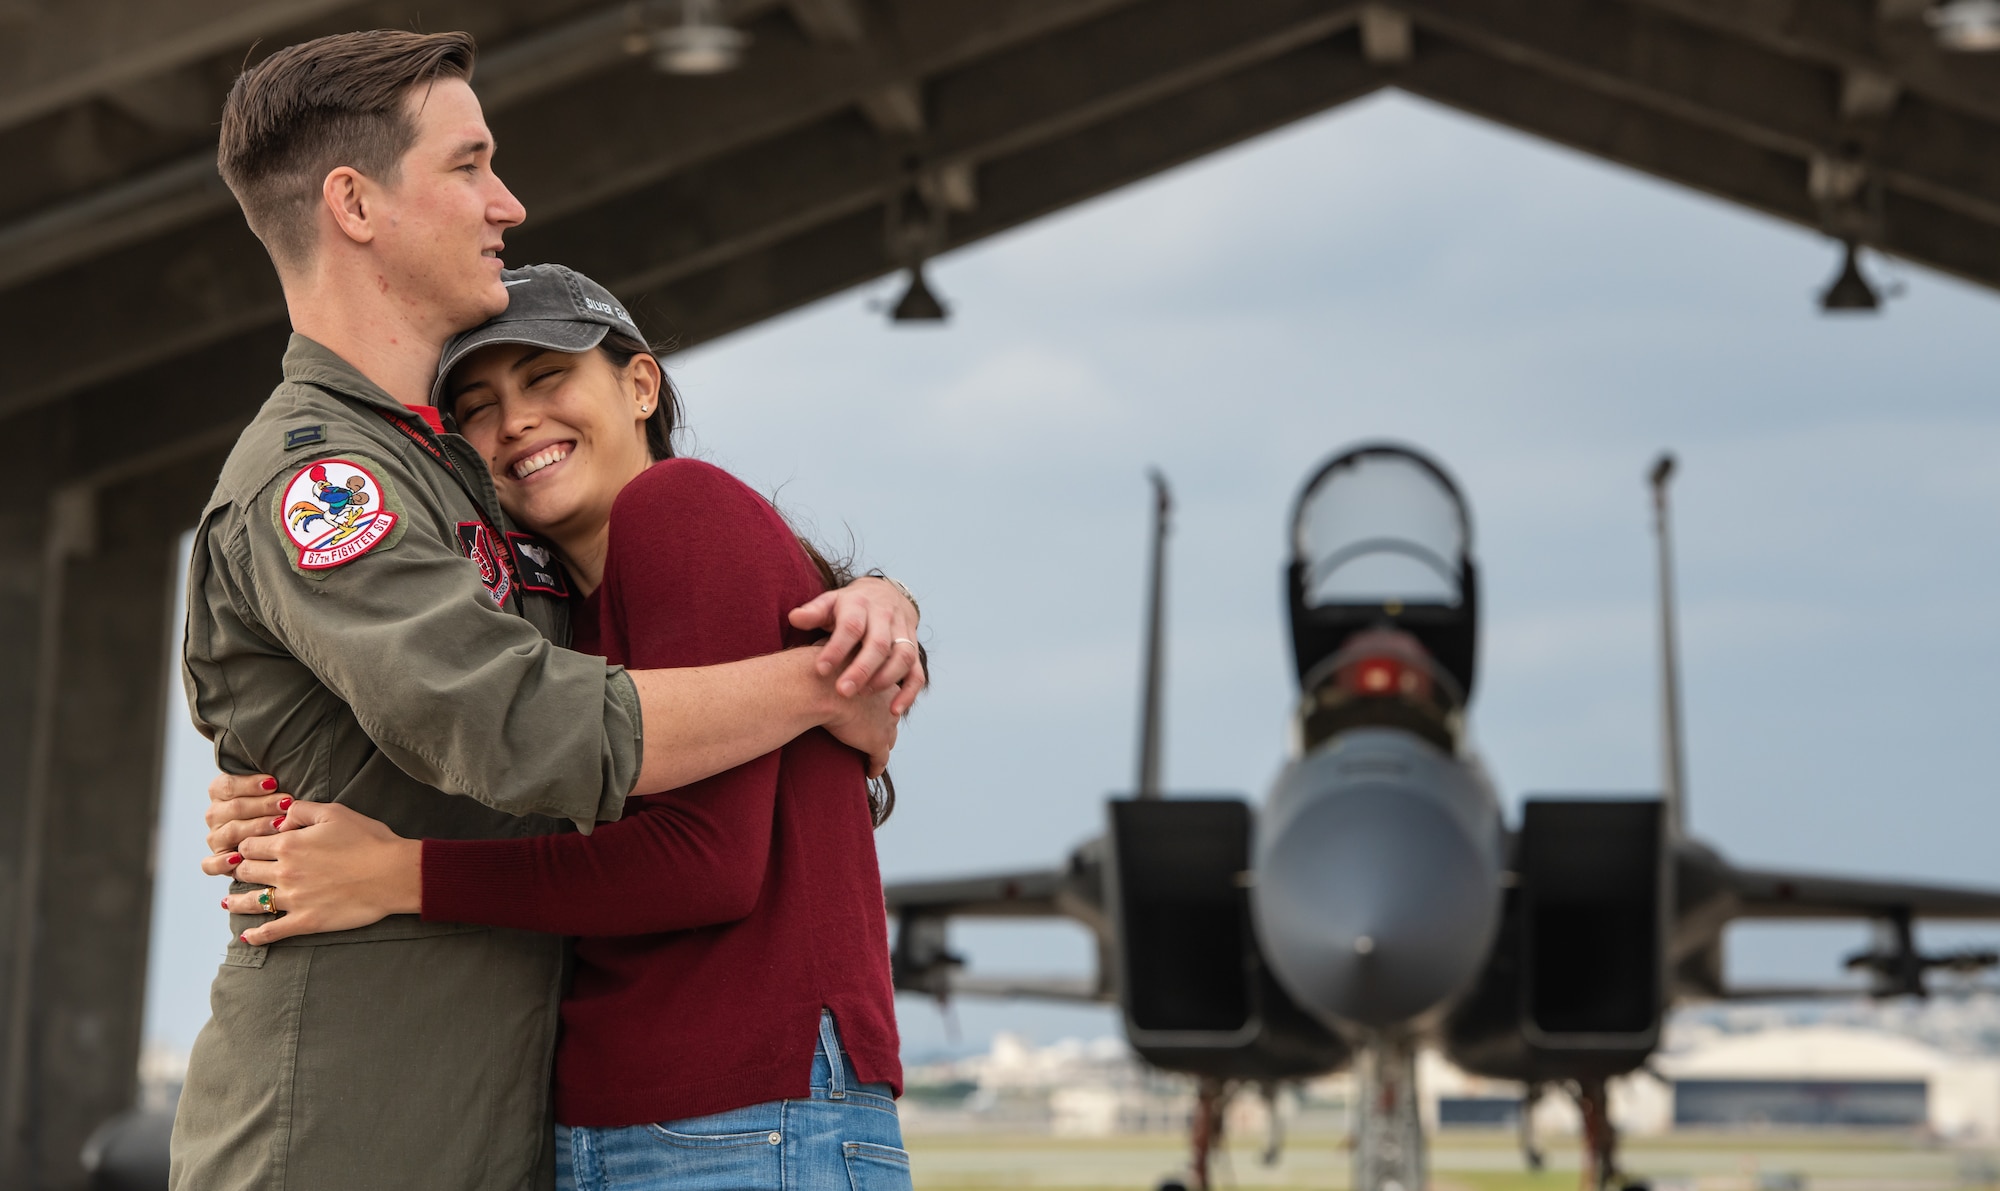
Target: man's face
439	238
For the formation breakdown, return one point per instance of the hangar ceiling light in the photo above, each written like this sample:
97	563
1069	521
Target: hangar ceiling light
918	304
700	44
1970	26
1850	290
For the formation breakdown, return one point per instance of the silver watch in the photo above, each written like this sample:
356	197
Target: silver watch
900	587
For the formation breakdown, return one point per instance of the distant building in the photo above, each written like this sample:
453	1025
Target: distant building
1779	1077
1751	1072
1832	1077
1070	1088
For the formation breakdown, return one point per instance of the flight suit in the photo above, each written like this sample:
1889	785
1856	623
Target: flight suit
362	626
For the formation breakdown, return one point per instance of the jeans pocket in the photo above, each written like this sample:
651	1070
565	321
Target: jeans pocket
872	1167
713	1141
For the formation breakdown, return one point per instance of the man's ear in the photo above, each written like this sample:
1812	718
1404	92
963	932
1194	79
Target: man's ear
348	196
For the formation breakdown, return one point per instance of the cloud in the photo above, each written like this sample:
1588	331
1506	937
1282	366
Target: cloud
1027	397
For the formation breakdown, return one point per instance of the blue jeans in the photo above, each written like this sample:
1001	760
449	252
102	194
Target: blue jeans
845	1137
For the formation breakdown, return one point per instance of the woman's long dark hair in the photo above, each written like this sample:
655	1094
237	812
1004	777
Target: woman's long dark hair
661	427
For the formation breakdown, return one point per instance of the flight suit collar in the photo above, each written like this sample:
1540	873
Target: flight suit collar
310	362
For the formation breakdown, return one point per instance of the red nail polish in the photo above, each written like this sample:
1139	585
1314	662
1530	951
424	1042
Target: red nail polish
285	803
225	903
236	858
245	939
278	822
270	783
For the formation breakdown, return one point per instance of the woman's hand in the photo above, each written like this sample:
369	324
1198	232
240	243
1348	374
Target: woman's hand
875	622
240	807
329	868
867	723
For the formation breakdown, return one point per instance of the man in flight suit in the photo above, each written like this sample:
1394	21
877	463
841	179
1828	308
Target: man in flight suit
364	626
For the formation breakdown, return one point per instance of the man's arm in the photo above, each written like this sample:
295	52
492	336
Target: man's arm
714	718
472	700
701	721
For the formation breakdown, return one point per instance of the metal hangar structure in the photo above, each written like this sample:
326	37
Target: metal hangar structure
140	323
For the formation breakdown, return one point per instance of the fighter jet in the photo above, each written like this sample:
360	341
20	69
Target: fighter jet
1378	901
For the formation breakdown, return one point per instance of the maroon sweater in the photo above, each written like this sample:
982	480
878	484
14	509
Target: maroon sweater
719	918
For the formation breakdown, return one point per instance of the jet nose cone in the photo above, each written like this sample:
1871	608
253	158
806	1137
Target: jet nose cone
1375	906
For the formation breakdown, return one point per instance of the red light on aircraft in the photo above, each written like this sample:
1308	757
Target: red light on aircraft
1381	675
1378	676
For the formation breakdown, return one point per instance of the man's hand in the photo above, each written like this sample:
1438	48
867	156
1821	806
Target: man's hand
239	808
868	723
329	868
877	624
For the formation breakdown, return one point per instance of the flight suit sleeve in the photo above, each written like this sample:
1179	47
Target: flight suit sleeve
369	593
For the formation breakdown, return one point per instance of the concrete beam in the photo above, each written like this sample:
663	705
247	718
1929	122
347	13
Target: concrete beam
739	206
1385	35
1113	66
27	609
711	116
74	1012
166	297
896	110
1744	89
832	22
1892	41
1683	151
92	187
72	50
787	83
212	280
1022	185
143	421
186	189
992	104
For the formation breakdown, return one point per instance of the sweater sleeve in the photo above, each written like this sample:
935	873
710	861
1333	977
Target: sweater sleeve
700	571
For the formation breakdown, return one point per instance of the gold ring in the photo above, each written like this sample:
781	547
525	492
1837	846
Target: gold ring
264	900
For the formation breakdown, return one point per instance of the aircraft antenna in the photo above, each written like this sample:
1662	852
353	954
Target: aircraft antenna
1156	645
1673	758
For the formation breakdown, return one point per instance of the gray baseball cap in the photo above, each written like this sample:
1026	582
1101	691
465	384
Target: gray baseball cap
547	306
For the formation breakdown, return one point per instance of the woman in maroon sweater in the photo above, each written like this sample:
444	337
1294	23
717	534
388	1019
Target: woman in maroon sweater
731	1023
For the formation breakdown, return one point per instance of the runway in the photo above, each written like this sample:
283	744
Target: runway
1319	1161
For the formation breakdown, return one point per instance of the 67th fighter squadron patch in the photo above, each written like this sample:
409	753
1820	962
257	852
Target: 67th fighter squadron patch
335	512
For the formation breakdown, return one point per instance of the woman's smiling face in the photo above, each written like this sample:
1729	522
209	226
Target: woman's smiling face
561	432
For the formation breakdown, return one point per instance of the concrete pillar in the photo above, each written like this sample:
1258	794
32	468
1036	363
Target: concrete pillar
82	707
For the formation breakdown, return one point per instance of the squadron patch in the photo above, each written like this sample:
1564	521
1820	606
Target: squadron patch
476	543
334	512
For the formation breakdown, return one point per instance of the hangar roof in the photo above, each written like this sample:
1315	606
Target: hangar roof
136	311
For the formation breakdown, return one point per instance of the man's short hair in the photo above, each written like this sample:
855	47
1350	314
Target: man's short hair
311	108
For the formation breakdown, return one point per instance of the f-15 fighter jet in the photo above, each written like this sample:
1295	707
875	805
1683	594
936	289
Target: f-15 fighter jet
1377	900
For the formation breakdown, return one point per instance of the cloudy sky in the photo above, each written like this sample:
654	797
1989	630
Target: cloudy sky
1542	323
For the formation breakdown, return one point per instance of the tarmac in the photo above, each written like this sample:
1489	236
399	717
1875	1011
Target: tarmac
1745	1161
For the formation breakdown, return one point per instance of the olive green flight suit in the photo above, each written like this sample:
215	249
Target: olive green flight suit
383	674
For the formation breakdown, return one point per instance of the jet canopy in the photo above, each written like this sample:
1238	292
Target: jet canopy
1381	540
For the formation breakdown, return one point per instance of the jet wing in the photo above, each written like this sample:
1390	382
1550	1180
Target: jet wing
1769	893
1893	964
923	962
1074	989
1032	894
